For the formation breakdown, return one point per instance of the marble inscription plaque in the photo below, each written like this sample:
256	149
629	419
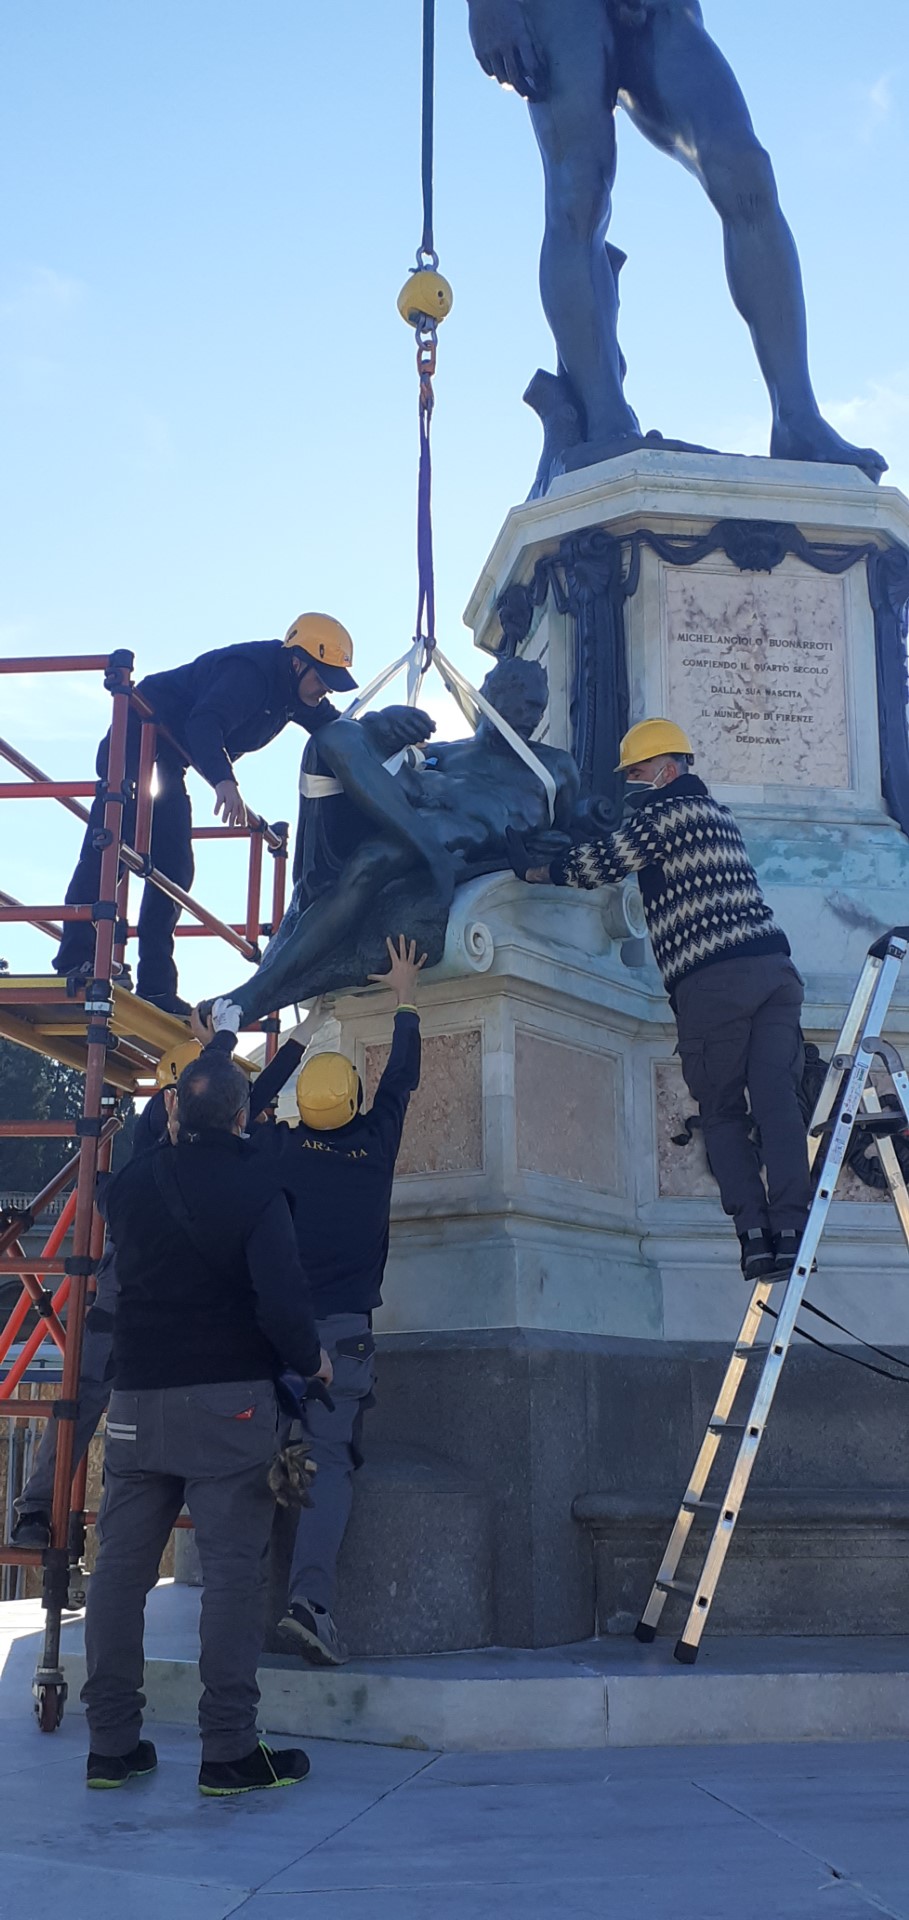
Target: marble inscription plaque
755	673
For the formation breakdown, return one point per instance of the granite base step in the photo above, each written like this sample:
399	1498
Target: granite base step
601	1693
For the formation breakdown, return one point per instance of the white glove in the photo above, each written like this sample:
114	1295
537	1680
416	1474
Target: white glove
226	1017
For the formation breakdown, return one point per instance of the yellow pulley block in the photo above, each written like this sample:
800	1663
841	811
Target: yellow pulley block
426	295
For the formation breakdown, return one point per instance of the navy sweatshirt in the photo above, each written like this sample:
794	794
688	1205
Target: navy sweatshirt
230	702
341	1184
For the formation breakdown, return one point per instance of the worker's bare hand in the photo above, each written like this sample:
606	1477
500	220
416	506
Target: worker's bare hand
404	970
230	804
538	876
326	1371
201	1025
505	46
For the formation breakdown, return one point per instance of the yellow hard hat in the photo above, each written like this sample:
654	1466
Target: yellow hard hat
425	295
327	644
171	1065
649	739
328	1092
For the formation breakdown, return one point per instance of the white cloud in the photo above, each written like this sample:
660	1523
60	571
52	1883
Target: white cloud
878	417
41	293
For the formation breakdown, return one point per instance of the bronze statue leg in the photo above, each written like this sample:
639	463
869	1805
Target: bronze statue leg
685	98
324	926
575	130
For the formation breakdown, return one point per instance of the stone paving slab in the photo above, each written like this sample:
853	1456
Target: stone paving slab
739	1833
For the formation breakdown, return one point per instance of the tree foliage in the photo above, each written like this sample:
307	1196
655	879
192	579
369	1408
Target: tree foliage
33	1087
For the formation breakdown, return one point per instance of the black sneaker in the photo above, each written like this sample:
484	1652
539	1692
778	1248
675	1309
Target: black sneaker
786	1246
104	1771
32	1530
264	1767
168	1003
314	1634
758	1255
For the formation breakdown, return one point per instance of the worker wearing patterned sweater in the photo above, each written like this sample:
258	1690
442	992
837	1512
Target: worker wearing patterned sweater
735	993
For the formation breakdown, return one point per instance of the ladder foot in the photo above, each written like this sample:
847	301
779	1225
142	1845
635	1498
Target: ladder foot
685	1653
644	1633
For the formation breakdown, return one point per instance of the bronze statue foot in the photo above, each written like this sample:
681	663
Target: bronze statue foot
810	437
591	453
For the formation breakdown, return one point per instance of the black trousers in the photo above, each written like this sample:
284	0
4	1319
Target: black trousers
171	852
739	1032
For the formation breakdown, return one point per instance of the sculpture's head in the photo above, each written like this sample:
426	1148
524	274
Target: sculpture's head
519	691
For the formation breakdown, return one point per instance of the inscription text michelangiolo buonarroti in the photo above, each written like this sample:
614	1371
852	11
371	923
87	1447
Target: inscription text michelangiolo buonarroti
755	672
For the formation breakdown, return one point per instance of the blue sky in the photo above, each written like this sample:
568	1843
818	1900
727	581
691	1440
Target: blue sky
208	397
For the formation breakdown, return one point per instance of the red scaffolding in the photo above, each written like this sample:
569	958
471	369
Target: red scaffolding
116	1040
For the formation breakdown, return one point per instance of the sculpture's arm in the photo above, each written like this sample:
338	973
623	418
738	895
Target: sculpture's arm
391	728
347	750
505	46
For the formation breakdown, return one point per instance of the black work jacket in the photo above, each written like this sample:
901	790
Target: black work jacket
341	1184
230	702
217	1294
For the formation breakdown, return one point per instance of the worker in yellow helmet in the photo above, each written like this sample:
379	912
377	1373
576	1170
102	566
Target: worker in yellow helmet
338	1165
733	987
232	701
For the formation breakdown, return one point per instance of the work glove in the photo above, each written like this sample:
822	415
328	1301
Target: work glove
527	851
291	1475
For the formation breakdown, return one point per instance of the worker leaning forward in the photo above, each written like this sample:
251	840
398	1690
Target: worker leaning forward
735	993
227	703
212	1308
338	1166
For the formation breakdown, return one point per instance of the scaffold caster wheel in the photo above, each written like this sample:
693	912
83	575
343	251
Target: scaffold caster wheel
50	1701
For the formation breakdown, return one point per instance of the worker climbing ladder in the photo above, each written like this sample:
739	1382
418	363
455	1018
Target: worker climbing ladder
847	1101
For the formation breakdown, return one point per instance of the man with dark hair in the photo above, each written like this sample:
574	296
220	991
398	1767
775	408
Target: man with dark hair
212	1307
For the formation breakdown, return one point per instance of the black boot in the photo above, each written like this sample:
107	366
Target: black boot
786	1246
104	1771
758	1254
264	1767
32	1530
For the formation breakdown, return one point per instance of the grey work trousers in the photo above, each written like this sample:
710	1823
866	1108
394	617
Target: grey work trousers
94	1393
739	1030
335	1447
210	1446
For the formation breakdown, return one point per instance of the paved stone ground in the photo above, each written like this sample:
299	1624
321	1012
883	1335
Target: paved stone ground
696	1833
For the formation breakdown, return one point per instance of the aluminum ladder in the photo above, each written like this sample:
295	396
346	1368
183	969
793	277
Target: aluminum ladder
847	1100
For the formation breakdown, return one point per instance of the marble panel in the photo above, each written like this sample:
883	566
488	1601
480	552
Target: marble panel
443	1132
683	1173
756	672
566	1112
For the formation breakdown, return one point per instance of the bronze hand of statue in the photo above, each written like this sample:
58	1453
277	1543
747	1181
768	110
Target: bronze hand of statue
395	727
506	48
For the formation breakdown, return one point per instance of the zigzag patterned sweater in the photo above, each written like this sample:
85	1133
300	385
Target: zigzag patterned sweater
702	901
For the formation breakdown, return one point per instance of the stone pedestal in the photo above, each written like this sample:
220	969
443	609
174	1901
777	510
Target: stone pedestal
562	1280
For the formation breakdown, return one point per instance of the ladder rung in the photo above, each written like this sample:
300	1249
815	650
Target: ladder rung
729	1426
676	1586
749	1349
706	1506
